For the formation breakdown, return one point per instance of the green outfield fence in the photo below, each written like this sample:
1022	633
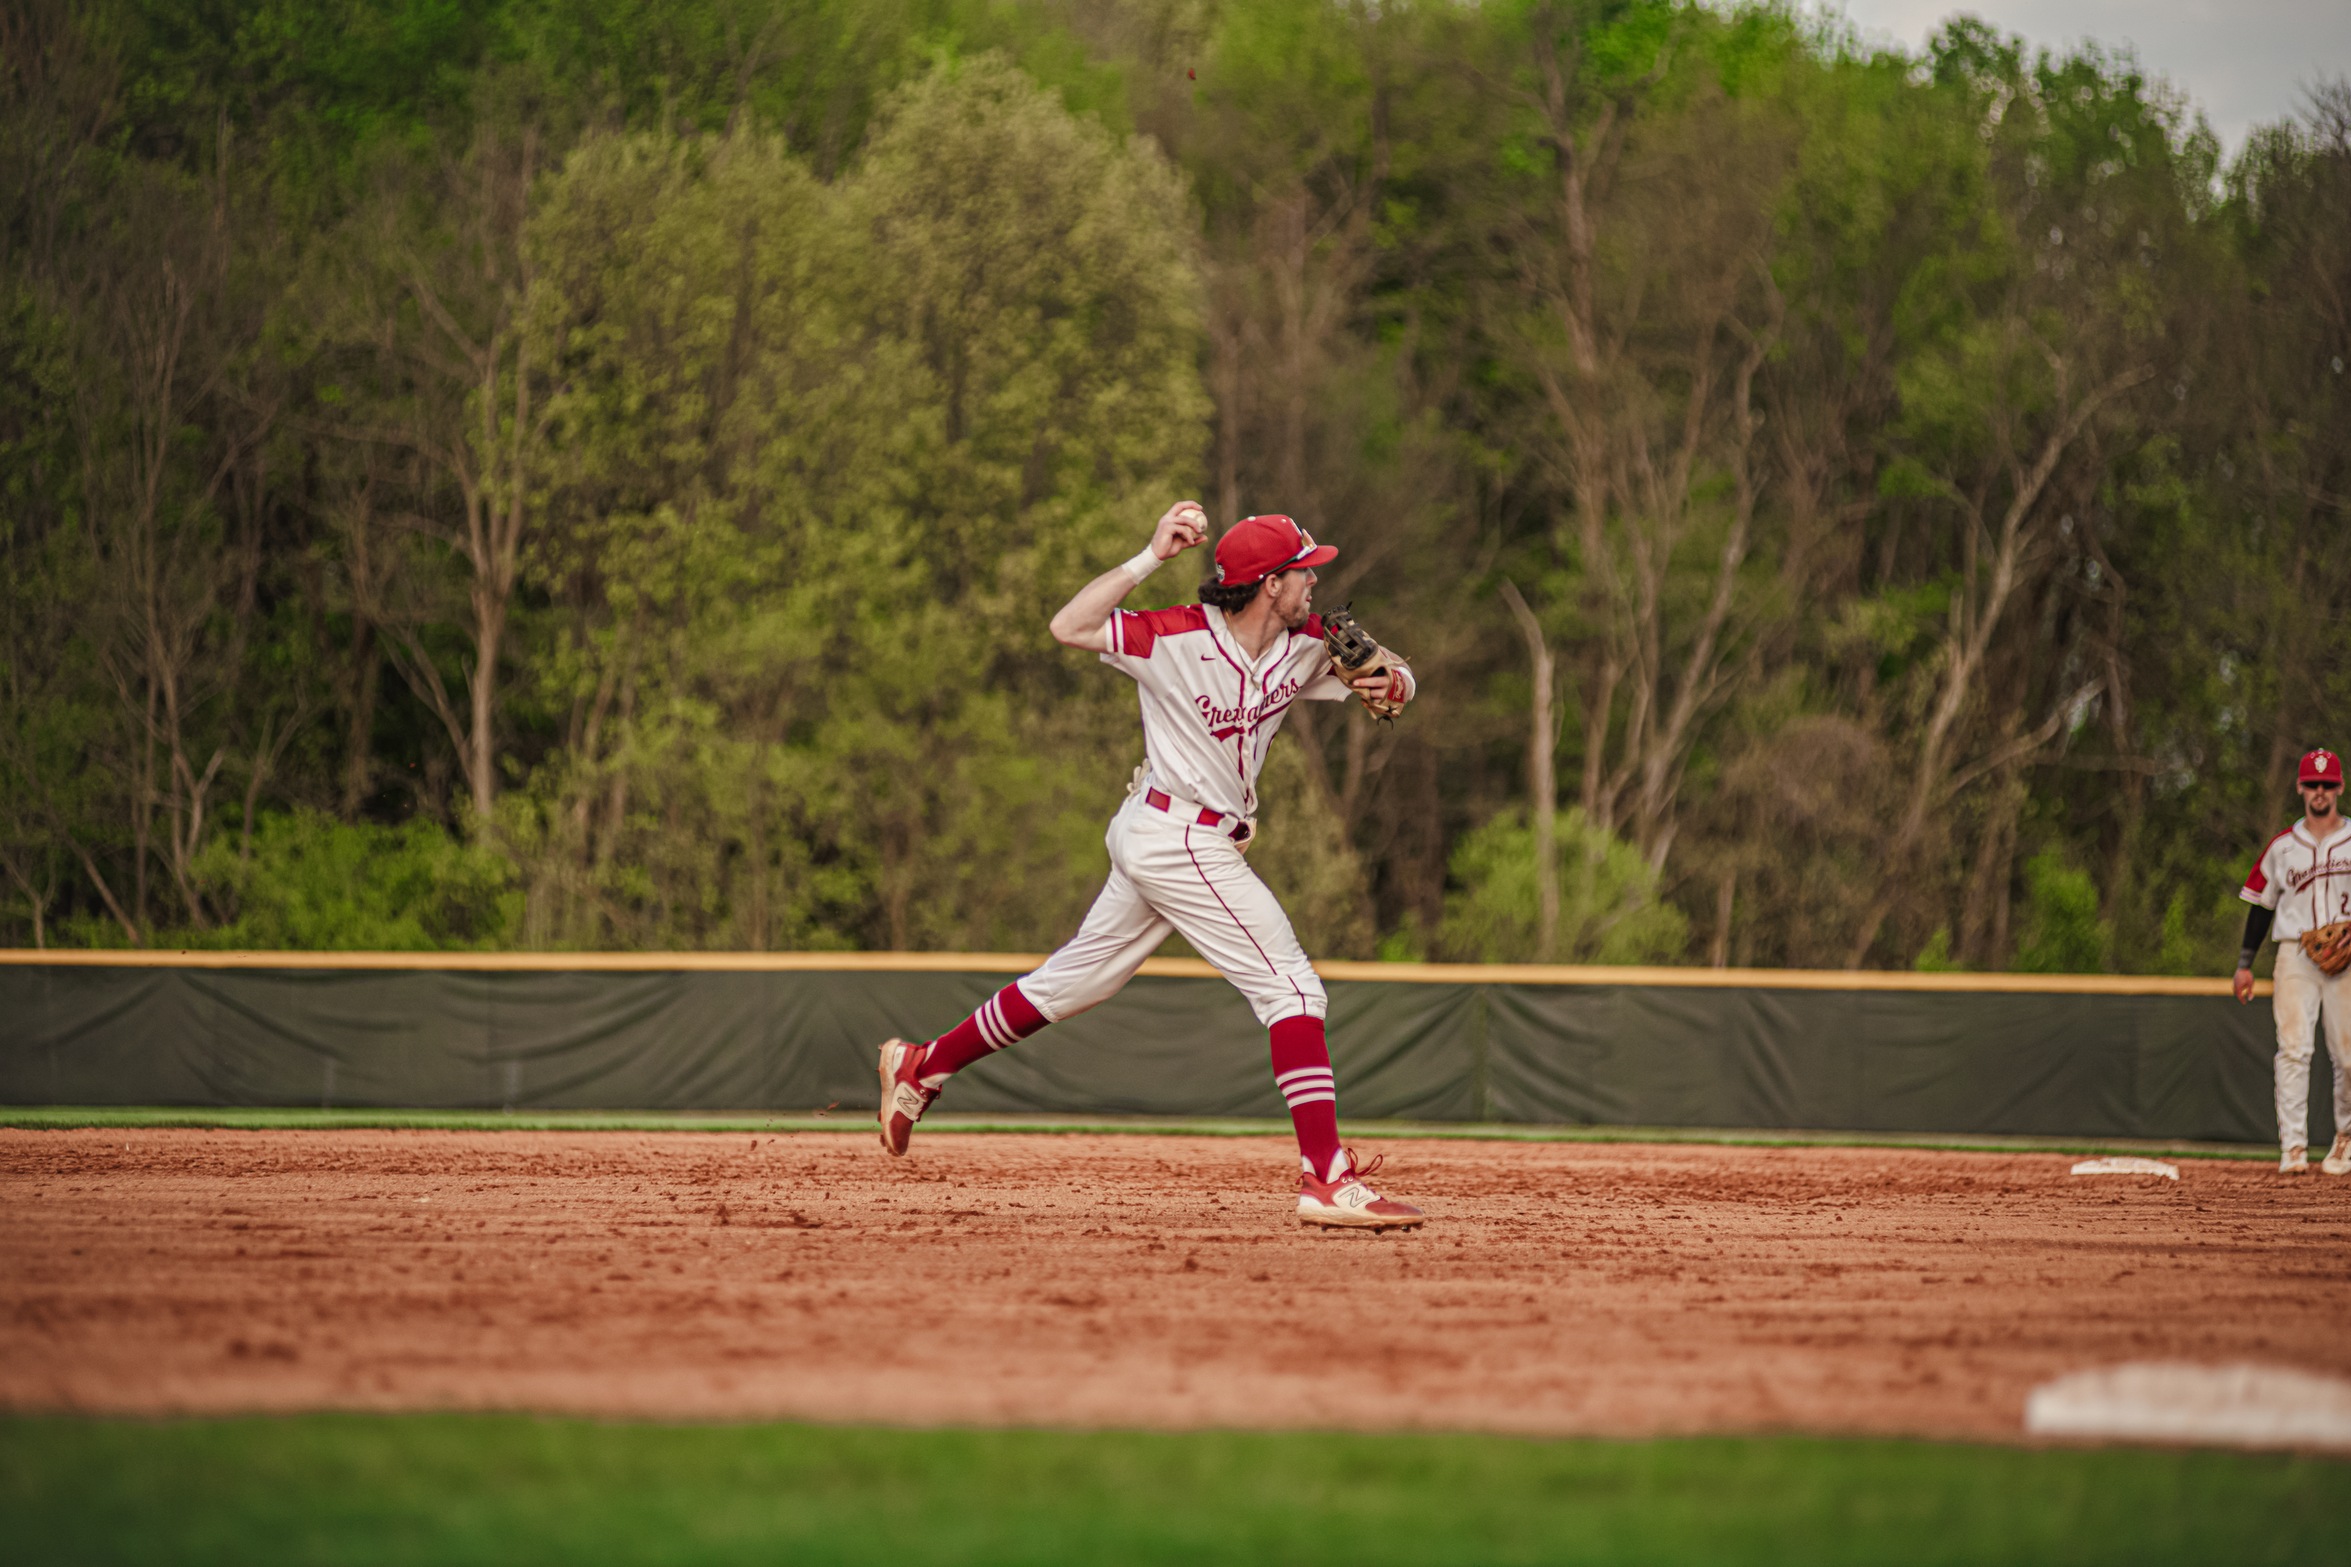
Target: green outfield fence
2061	1056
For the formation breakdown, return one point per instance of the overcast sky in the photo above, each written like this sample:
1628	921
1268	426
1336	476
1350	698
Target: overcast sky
2243	62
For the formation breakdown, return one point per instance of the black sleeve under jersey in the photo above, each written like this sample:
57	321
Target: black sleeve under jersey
2257	921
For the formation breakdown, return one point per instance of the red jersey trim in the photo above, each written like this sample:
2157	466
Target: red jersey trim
1133	631
2258	883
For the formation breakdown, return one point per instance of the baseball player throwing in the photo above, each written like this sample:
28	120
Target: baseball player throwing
1216	679
2302	883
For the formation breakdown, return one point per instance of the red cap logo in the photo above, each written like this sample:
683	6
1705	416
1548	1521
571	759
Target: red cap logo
1258	547
2321	766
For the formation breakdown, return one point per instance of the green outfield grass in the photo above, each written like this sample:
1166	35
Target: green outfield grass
861	1123
353	1490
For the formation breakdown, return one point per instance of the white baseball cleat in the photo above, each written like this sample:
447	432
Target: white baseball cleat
2338	1159
904	1099
1348	1204
2294	1162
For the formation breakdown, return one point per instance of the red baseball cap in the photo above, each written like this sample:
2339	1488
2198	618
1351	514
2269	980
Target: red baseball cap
2320	766
1257	547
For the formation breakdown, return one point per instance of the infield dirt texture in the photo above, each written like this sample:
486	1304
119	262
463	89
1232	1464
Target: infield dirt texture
1131	1281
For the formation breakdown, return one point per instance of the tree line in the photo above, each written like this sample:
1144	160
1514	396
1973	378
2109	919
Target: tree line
561	474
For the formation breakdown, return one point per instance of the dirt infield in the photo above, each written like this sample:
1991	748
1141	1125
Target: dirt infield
1129	1280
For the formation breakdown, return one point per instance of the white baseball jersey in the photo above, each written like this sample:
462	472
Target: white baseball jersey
2307	882
1209	710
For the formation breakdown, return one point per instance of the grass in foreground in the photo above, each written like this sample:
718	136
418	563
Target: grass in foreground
860	1122
356	1490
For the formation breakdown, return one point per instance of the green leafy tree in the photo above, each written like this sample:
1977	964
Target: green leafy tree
823	460
1030	280
1610	911
682	289
2061	932
307	882
55	804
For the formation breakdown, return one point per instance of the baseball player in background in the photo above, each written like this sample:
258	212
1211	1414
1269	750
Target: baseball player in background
1215	679
2302	883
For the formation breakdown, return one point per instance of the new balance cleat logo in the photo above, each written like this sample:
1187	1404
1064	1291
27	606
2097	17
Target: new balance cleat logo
903	1098
1348	1204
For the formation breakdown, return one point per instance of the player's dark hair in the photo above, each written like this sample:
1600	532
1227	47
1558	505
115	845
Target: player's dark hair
1231	599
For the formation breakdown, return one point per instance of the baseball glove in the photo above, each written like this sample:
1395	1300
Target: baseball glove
2329	946
1354	654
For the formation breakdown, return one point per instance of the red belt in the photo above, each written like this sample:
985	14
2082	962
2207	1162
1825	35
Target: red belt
1161	800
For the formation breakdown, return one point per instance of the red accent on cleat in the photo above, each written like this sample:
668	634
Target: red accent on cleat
904	1099
1347	1203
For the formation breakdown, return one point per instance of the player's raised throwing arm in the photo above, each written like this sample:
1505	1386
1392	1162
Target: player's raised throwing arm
1080	622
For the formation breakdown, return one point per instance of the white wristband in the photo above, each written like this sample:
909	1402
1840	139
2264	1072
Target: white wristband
1143	565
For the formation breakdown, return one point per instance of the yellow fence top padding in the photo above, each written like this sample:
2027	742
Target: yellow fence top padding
1176	968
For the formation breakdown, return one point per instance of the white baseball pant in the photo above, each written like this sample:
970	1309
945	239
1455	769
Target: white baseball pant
2303	995
1168	874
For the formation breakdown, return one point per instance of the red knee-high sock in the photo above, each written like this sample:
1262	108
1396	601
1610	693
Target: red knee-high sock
1001	1019
1302	1070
